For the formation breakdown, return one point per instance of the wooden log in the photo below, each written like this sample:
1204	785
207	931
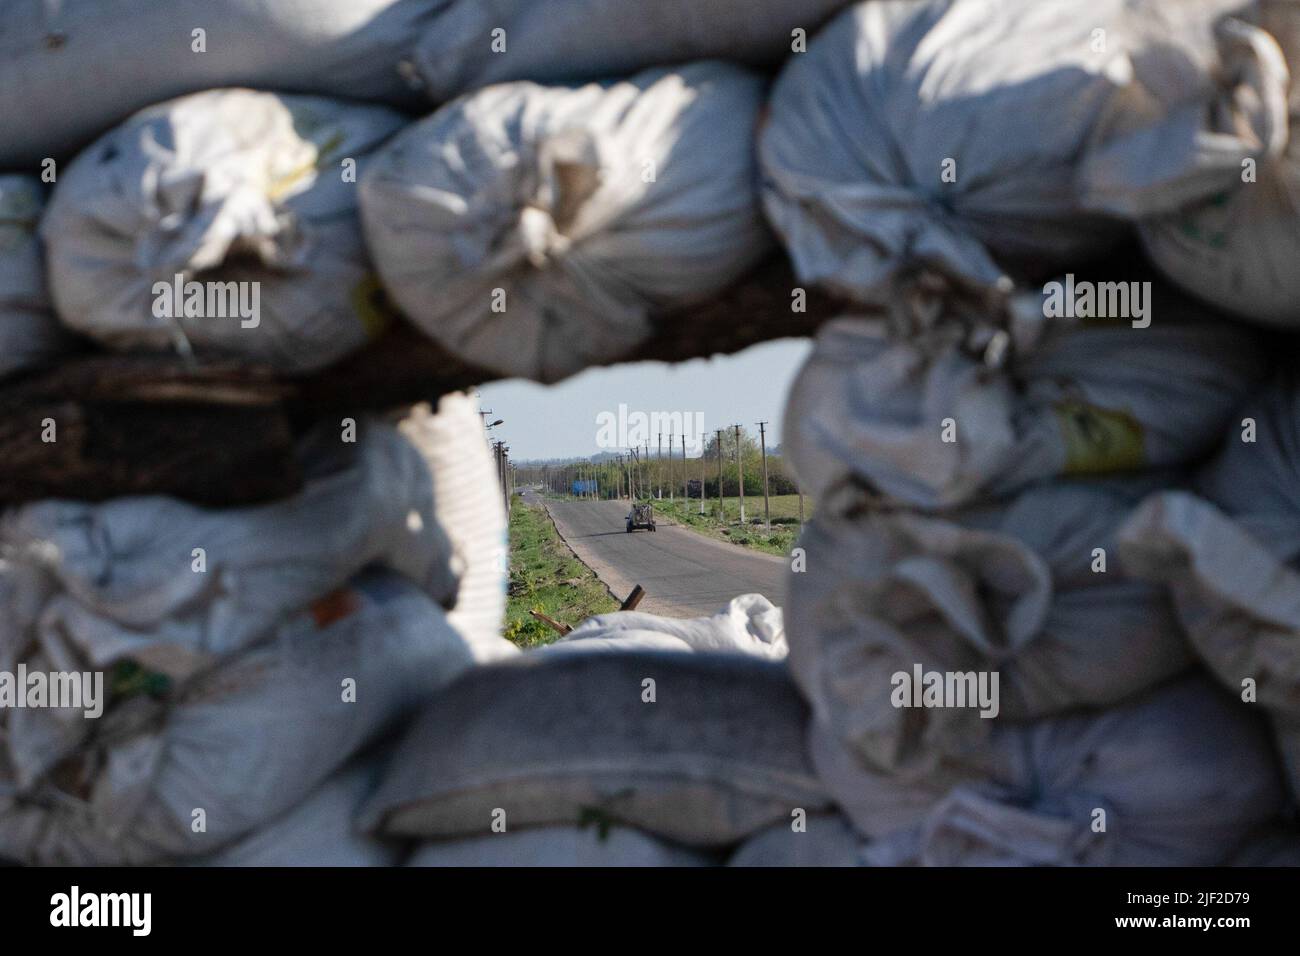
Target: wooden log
223	434
102	427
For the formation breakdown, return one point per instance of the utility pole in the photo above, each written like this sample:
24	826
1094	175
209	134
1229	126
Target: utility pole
659	457
762	438
740	477
686	491
703	476
505	476
722	507
670	466
499	450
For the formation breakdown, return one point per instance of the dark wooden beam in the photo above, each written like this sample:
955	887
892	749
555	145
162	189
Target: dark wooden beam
222	434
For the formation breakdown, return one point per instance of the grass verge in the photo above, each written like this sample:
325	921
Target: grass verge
546	576
725	524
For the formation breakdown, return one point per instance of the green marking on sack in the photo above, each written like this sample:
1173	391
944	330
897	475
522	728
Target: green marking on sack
588	816
129	679
1099	440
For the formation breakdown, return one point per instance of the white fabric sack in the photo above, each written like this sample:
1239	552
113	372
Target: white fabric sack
531	230
221	187
245	742
1238	249
829	840
319	831
1010	590
749	624
1232	562
558	846
29	332
932	424
911	134
1238	602
1183	775
1237	599
564	41
467	506
123	572
69	70
1257	482
566	739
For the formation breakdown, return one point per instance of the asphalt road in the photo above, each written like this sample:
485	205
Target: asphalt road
684	574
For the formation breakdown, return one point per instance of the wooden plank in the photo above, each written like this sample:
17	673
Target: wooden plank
633	599
552	623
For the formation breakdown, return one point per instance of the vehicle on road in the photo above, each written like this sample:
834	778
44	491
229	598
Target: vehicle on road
641	516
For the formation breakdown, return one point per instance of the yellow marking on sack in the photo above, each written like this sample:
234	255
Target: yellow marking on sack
1099	440
281	185
371	305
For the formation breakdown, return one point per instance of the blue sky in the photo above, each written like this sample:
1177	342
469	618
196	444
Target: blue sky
561	421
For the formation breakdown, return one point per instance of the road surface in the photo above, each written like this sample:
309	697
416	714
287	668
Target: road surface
684	574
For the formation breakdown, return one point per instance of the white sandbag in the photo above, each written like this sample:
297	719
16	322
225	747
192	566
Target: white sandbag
531	230
319	831
914	134
891	804
467	506
243	743
1183	776
592	845
29	333
749	624
566	739
1238	601
174	587
1238	248
827	840
1232	558
1024	598
71	69
250	199
931	423
1255	475
473	43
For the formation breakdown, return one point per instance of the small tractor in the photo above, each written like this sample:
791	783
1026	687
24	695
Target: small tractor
641	516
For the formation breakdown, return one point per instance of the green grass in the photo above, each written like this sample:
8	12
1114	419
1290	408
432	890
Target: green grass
545	576
725	525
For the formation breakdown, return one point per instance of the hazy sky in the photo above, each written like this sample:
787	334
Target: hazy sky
561	421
